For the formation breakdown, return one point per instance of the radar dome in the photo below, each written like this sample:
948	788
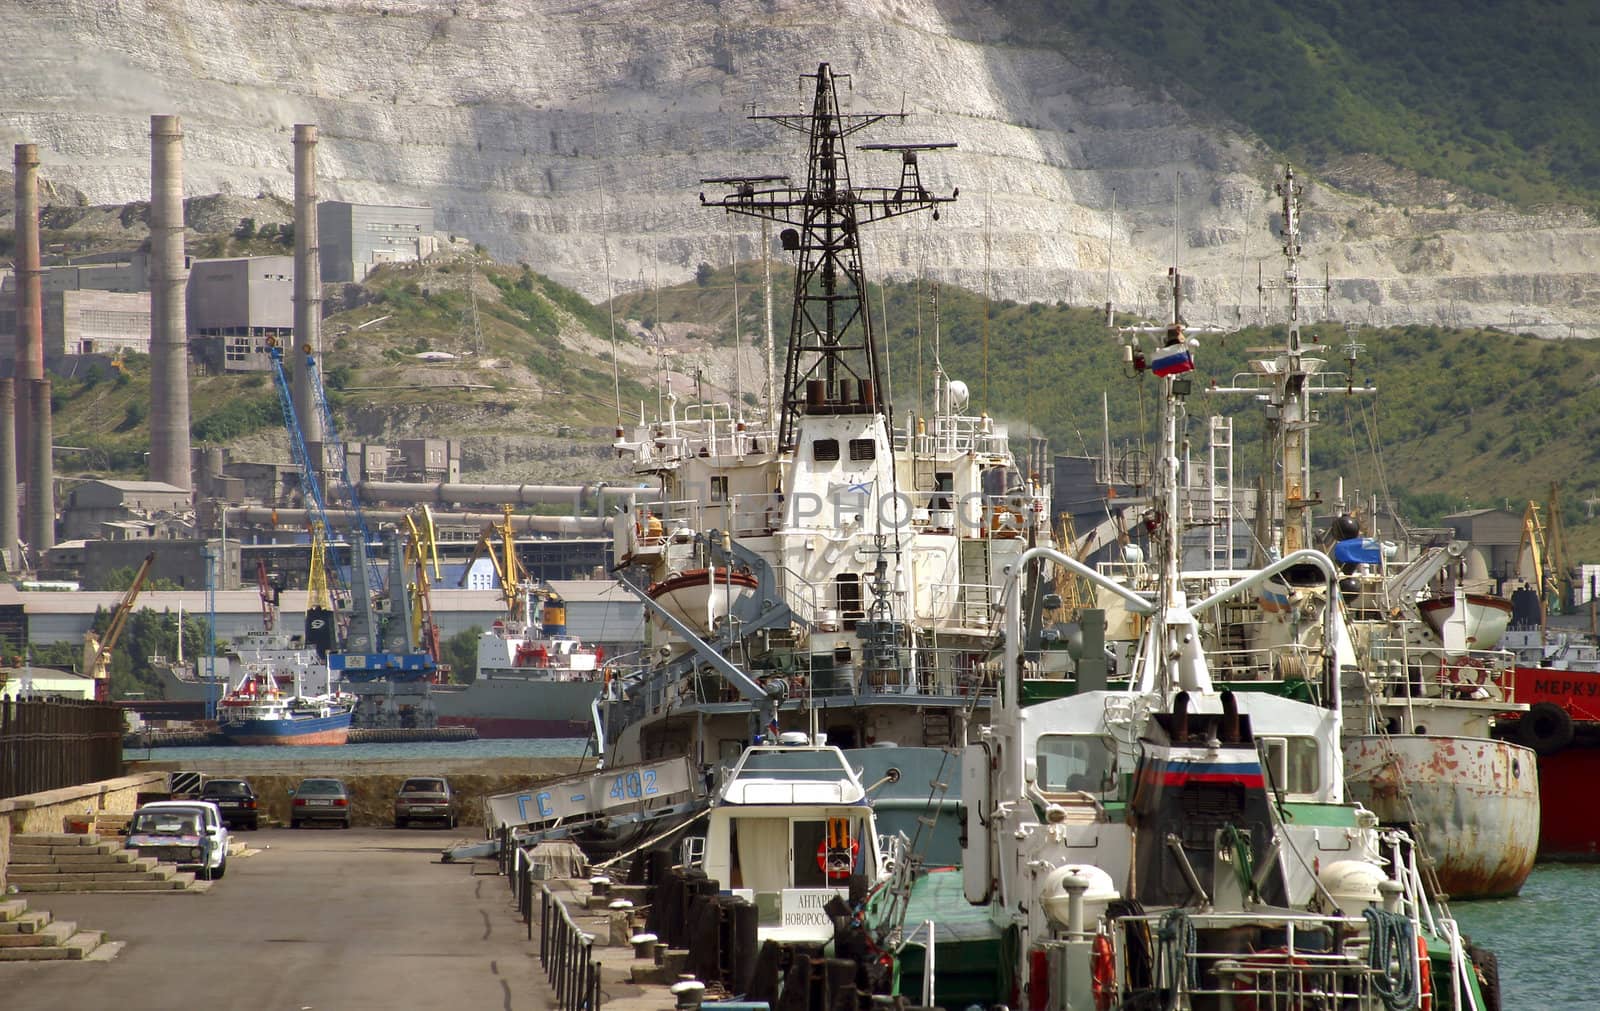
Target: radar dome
1132	553
958	395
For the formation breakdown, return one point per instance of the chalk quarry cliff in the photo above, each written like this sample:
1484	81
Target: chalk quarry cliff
573	136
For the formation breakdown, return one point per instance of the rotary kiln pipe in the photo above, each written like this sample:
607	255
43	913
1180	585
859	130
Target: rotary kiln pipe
575	526
442	493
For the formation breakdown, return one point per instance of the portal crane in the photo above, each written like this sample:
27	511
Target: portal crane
508	567
270	594
97	651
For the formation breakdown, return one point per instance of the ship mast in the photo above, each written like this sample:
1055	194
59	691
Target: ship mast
1289	417
834	364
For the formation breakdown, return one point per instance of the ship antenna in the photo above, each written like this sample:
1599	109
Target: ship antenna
1111	248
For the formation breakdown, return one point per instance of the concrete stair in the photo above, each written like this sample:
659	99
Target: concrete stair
86	863
37	937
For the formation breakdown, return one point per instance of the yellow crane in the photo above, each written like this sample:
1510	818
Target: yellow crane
422	550
97	650
507	564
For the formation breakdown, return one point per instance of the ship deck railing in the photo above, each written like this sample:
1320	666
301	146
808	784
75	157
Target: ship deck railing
938	673
1319	958
1406	669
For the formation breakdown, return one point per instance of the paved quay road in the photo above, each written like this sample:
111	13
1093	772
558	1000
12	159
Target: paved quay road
320	919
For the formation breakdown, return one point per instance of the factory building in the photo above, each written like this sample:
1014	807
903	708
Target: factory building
234	306
358	237
93	503
80	322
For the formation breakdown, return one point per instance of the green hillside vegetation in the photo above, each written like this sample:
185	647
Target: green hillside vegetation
1461	418
530	326
1494	96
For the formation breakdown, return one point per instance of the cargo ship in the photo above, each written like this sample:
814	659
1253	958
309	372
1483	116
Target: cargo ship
533	679
258	712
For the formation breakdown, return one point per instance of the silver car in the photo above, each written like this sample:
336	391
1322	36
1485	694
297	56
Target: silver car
319	800
424	798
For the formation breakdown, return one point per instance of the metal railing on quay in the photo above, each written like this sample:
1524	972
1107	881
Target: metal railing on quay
567	956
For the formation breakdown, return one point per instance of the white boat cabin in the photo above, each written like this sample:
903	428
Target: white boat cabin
789	828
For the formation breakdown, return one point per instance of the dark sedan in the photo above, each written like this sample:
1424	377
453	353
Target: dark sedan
236	799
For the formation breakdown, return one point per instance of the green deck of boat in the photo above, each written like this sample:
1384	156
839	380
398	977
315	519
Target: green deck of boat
970	964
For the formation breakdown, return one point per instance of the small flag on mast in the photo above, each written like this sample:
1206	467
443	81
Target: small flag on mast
1172	360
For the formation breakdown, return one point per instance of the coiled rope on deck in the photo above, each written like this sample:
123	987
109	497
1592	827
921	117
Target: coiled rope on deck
1175	942
1392	941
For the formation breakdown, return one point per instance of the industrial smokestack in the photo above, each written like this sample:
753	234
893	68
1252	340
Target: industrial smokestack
169	336
8	475
41	524
307	282
29	355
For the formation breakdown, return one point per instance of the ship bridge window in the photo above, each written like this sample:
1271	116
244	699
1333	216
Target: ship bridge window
1291	764
825	449
863	449
719	488
1085	762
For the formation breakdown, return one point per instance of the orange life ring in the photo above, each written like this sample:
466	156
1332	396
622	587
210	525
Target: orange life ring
1103	972
1424	977
831	860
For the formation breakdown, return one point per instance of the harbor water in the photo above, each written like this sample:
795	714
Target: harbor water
1544	939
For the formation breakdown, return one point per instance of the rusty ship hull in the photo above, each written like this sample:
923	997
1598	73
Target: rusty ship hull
1476	801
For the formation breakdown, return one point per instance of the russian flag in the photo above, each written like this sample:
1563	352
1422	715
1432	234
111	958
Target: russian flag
1172	359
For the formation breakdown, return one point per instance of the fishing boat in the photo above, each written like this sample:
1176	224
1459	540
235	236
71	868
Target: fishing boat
1172	842
821	559
258	711
1426	689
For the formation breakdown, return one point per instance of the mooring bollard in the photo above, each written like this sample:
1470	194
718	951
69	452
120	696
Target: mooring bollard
644	945
687	994
600	885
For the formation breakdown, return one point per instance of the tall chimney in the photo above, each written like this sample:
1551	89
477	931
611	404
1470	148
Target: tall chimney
8	475
41	524
307	282
169	337
30	309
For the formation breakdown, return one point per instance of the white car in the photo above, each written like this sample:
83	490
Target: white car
189	833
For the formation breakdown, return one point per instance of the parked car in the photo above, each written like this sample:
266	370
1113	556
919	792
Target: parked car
189	833
319	800
237	800
424	798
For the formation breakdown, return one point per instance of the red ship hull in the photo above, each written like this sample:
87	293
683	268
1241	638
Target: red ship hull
1569	757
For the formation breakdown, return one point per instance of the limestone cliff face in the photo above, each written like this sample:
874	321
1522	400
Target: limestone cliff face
573	135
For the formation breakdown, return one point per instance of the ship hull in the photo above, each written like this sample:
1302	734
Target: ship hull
316	730
510	706
1476	801
1569	824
